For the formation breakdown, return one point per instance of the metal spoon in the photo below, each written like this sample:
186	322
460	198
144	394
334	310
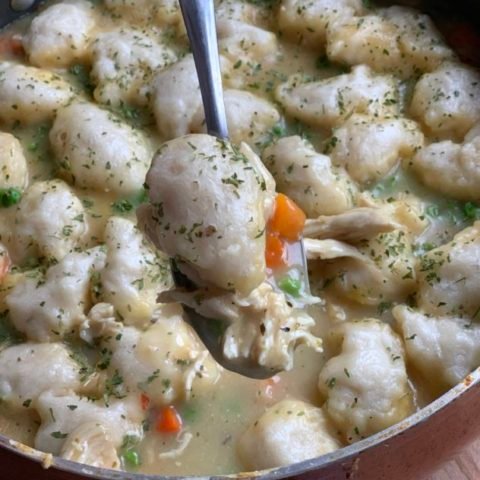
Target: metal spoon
199	17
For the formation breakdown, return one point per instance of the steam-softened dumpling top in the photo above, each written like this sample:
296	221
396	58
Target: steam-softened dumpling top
96	150
60	35
29	94
288	432
209	203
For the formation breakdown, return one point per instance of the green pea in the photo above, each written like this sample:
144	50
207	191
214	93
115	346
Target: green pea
290	285
9	196
131	458
471	211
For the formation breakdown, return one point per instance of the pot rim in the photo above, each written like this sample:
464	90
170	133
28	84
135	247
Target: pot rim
344	455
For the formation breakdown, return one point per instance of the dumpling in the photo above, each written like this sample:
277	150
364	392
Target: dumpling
308	177
241	42
452	169
49	222
306	21
421	43
262	326
249	117
366	386
124	61
288	432
134	273
13	165
158	12
31	95
369	148
60	35
64	412
46	307
370	40
447	101
95	150
167	361
29	369
209	204
443	349
328	103
449	276
395	40
174	113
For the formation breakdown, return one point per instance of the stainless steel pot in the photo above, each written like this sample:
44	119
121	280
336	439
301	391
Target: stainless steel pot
410	450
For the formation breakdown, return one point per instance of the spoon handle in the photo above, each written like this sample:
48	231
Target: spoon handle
199	19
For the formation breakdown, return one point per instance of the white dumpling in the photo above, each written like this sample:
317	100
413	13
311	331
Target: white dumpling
395	40
174	113
167	361
443	349
328	103
98	151
447	101
288	432
306	21
124	61
253	13
46	307
29	369
134	273
452	169
63	413
60	35
366	385
262	326
308	177
249	117
157	12
369	148
421	44
29	94
49	222
449	276
209	204
242	42
370	40
13	165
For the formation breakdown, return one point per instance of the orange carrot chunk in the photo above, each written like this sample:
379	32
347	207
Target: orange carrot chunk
288	219
169	421
11	45
144	401
275	252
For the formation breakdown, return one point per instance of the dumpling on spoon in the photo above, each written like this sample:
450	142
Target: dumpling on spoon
209	204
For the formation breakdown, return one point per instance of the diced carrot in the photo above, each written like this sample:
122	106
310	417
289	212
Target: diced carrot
288	219
144	401
11	45
169	421
5	264
275	252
